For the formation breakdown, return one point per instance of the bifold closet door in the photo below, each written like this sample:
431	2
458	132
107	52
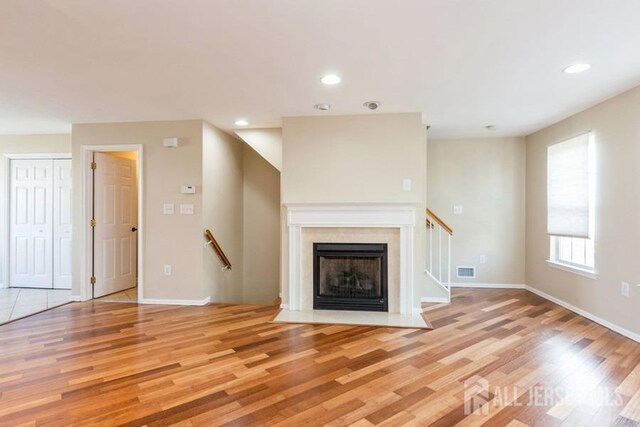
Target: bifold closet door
62	237
31	224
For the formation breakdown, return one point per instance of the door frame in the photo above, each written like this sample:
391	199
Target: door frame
6	226
86	196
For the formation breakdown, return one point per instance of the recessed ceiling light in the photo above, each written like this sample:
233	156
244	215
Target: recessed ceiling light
576	68
322	107
330	79
241	122
372	105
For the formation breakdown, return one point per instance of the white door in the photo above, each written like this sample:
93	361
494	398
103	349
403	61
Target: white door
62	224
115	214
31	224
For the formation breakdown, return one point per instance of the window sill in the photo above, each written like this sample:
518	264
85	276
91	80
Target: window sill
590	274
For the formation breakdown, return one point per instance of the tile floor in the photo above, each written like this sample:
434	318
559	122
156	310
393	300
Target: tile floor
128	295
20	302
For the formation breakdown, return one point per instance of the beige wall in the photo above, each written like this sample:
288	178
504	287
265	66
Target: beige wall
168	239
355	159
616	127
228	197
223	212
23	144
486	177
261	195
266	142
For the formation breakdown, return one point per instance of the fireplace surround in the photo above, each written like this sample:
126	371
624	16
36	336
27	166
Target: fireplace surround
305	219
350	276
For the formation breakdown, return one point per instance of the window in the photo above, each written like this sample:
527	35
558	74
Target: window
570	203
573	251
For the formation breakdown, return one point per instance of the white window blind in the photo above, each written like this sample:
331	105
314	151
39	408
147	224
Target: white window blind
569	195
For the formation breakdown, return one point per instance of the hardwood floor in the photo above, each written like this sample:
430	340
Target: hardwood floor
123	364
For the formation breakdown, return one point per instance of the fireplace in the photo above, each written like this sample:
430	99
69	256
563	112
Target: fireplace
350	276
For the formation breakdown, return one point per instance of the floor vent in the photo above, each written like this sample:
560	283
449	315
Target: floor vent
466	272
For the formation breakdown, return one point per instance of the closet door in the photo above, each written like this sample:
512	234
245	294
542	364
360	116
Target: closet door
62	224
31	223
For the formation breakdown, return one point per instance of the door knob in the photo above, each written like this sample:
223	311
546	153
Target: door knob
133	229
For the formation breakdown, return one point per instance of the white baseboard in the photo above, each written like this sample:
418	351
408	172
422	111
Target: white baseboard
204	301
489	285
616	328
438	300
75	298
284	306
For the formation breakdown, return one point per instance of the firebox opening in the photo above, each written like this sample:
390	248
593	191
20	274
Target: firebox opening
350	276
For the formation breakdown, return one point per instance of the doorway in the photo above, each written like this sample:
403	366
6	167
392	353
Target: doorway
112	223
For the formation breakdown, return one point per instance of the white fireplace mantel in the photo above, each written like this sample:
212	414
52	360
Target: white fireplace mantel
344	215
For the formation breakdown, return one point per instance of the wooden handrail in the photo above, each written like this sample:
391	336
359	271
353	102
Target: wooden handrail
216	247
440	222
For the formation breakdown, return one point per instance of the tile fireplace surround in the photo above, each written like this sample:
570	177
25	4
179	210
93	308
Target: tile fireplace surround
391	223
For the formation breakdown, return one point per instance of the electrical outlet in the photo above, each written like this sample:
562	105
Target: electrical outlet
167	208
624	289
483	259
167	270
457	209
186	209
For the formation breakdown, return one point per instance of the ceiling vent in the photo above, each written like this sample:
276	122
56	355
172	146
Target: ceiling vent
466	272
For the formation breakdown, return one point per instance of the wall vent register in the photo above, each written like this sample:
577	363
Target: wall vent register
466	272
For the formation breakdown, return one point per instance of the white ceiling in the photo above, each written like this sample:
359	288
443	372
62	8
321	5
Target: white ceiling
463	63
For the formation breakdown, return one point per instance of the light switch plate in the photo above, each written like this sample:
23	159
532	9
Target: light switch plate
457	209
406	184
167	270
186	209
167	208
624	289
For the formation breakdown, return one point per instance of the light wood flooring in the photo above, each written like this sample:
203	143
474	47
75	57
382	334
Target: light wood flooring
127	364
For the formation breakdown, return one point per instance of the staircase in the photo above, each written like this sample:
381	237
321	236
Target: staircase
439	240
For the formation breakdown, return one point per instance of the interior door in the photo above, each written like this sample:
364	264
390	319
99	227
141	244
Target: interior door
62	234
115	213
31	224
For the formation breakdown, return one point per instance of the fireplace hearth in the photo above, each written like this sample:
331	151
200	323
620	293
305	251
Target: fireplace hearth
350	276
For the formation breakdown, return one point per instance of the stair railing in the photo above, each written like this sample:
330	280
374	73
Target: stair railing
216	247
437	226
